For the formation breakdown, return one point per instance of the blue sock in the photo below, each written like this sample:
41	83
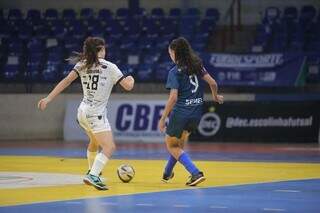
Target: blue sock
185	160
170	164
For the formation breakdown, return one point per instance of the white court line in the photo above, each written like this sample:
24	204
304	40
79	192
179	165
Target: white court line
181	206
218	207
274	210
144	204
286	190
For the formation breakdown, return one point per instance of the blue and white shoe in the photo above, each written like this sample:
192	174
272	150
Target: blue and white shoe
95	181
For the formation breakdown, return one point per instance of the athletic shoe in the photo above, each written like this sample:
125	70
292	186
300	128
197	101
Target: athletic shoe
196	179
166	178
95	181
89	172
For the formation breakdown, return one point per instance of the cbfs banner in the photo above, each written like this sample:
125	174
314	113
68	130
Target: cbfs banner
275	69
130	120
260	122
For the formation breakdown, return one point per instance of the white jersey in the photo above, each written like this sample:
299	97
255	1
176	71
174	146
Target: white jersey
97	83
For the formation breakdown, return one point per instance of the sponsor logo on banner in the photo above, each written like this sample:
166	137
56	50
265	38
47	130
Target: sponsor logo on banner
209	124
246	61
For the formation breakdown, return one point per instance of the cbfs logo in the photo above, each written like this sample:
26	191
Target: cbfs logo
209	124
138	117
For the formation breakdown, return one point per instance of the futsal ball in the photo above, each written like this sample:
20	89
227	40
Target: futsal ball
125	173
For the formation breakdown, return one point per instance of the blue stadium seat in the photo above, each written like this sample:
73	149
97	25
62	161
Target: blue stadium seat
33	67
206	26
11	68
137	13
15	14
151	56
69	14
42	32
51	72
66	68
122	13
212	13
33	14
307	13
86	13
145	72
72	44
175	13
104	14
51	14
157	13
290	14
193	12
146	43
162	70
271	15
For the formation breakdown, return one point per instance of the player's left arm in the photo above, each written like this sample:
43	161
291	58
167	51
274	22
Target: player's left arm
64	83
168	108
213	87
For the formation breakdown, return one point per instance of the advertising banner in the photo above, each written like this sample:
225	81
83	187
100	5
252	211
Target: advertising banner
129	120
260	122
274	69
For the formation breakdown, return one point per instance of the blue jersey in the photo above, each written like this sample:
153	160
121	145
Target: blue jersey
190	91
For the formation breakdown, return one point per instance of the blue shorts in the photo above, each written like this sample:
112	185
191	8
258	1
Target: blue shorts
179	123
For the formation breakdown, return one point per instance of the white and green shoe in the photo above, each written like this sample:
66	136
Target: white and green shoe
95	181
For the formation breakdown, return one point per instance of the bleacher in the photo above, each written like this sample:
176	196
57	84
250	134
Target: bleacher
292	29
34	45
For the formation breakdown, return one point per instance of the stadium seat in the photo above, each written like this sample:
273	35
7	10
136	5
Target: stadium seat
15	14
11	68
175	13
51	14
157	13
290	14
307	14
193	12
69	14
162	70
33	14
145	72
104	14
86	13
212	13
122	13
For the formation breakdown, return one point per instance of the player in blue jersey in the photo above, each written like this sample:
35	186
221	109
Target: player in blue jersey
185	81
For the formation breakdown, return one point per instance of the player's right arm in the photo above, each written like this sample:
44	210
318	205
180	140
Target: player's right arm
64	83
214	88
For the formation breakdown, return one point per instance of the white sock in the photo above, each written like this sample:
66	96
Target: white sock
90	157
98	164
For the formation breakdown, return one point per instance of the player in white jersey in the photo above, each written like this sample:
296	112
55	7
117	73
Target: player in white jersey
98	77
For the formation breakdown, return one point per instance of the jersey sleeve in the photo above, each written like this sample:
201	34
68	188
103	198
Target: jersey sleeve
77	68
203	72
116	74
172	81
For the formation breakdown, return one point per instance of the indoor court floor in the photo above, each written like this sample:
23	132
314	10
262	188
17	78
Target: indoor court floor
46	176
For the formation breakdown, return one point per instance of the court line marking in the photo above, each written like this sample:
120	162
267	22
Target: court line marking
170	190
144	204
181	206
286	190
218	207
274	210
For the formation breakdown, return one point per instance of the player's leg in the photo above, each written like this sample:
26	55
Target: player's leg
105	140
92	150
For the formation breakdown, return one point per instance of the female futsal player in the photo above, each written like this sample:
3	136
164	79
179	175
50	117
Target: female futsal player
185	105
98	76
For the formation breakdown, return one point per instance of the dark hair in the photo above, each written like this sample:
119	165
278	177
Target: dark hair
185	57
89	54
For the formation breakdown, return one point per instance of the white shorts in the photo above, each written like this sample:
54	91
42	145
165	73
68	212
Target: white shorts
93	123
